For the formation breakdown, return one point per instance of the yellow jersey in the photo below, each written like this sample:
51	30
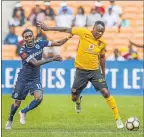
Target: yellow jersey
88	49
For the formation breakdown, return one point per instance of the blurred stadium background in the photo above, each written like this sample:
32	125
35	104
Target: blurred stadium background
124	38
115	37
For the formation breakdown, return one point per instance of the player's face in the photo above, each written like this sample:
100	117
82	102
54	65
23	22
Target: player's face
29	38
98	31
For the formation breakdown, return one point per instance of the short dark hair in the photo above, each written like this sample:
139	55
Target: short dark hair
80	7
99	22
25	31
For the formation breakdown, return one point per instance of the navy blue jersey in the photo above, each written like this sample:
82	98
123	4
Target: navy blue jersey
29	72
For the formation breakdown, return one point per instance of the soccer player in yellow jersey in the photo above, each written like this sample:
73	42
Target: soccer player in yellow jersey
89	59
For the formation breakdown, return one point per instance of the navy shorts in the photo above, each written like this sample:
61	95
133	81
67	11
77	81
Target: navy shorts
22	89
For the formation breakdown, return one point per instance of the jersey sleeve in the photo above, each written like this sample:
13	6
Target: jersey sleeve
25	55
79	31
103	50
45	43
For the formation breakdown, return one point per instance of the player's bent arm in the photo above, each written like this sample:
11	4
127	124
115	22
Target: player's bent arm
61	29
44	27
60	42
102	63
36	63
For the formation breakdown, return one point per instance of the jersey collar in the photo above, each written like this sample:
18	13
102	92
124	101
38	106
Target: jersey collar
30	47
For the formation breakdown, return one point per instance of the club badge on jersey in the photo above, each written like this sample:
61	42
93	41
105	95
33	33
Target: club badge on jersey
37	46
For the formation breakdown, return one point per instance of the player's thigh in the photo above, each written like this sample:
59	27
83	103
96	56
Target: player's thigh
80	82
98	81
35	89
20	91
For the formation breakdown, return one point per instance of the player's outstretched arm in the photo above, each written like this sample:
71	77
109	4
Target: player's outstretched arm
36	63
137	45
61	42
44	27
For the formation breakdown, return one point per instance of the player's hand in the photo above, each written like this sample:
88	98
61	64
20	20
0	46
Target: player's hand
42	25
70	36
57	58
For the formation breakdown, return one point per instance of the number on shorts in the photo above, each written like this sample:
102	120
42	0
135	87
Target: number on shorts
39	86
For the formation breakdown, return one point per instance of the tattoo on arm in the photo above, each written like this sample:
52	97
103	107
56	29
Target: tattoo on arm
61	29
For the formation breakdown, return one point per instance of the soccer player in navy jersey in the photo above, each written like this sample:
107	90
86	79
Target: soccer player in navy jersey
28	80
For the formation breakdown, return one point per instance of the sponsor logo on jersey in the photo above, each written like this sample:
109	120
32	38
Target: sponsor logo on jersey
37	53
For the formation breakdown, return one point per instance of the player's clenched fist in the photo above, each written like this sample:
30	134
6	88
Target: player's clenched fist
70	36
42	25
57	58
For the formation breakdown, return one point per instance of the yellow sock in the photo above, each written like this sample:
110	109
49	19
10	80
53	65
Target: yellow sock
78	100
111	102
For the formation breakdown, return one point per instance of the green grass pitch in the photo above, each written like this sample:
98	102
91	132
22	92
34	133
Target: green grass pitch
56	117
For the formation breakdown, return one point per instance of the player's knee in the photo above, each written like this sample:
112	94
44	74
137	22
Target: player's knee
105	92
74	94
38	96
74	98
17	103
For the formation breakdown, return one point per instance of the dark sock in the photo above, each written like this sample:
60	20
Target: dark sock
12	112
31	106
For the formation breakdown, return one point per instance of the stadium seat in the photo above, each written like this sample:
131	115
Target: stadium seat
50	35
140	55
130	16
126	30
130	9
109	53
27	10
19	30
109	35
50	22
138	35
26	3
8	52
53	35
139	22
112	30
66	55
71	45
123	36
33	28
55	3
17	58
